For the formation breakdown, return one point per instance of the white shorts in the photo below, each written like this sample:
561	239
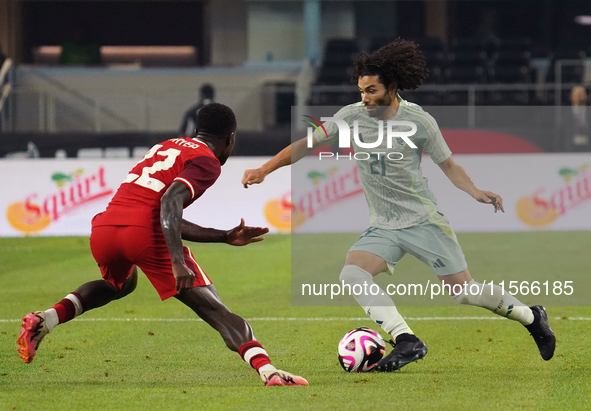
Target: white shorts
433	242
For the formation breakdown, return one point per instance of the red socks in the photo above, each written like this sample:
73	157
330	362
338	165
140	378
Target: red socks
69	307
253	353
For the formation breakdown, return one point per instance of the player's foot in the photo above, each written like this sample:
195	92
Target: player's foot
32	333
407	348
282	378
542	333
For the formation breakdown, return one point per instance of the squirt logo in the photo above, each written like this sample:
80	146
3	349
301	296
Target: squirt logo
36	211
328	188
281	214
541	208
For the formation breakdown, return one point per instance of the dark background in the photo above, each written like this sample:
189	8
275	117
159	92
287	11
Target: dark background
115	23
548	23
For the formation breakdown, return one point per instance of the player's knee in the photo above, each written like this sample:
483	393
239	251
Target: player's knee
128	286
351	274
204	302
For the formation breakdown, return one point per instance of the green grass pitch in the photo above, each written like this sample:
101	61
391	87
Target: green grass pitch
165	360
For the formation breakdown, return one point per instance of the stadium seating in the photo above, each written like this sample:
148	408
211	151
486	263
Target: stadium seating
498	62
117	152
570	73
139	151
94	152
336	62
379	41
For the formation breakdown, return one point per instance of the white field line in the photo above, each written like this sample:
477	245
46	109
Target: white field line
319	319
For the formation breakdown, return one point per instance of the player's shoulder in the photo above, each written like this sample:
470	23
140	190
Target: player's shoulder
350	110
198	153
413	109
417	114
202	168
356	105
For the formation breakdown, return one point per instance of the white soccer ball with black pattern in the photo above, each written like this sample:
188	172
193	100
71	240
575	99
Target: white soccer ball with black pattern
361	349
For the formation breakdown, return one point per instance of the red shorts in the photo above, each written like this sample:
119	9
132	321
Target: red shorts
117	249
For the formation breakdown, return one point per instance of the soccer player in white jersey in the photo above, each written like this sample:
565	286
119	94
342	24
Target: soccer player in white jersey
404	215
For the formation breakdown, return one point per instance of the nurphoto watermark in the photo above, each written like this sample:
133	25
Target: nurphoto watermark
392	131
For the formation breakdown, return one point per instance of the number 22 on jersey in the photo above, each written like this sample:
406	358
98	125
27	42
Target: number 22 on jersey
145	179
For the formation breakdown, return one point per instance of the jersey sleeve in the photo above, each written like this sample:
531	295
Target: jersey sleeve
329	131
199	174
329	136
435	144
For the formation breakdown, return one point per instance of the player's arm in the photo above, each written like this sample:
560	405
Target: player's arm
196	177
461	180
239	235
289	155
176	229
171	216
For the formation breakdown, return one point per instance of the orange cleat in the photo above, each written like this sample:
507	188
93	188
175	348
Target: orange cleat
283	378
32	333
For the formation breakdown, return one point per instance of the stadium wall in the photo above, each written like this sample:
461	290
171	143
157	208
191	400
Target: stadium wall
276	29
228	32
13	145
148	99
540	191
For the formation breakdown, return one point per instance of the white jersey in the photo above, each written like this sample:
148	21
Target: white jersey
396	191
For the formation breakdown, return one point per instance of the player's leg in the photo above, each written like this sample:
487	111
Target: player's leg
94	294
434	242
236	333
38	324
366	259
205	302
360	269
466	290
120	279
494	298
98	293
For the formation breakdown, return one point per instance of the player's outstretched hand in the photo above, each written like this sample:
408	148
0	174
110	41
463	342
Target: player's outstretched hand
489	197
243	235
255	176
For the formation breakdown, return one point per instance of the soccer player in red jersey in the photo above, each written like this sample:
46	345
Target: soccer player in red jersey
143	226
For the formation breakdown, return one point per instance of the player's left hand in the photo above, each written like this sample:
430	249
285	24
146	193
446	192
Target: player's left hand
243	235
251	177
489	197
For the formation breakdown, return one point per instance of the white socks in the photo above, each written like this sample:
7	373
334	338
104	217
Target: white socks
380	307
265	370
382	310
495	299
51	319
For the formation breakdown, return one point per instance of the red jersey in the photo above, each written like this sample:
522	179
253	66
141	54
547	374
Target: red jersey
137	201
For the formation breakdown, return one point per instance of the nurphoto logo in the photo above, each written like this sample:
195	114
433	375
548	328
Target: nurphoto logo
345	137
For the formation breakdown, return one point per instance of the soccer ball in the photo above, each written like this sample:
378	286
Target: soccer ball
361	349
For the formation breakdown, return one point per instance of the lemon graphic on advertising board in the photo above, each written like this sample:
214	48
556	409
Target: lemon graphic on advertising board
534	213
26	219
282	215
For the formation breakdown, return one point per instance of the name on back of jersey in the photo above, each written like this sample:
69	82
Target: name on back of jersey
184	143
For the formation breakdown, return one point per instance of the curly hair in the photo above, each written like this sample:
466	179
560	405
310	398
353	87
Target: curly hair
400	61
216	119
